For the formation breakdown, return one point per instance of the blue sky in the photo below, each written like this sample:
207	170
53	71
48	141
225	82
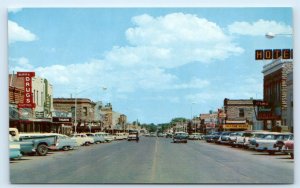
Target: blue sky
156	63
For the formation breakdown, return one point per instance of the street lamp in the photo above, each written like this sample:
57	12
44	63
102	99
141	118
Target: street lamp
271	35
192	122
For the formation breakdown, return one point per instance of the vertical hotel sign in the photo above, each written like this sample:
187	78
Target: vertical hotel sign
28	98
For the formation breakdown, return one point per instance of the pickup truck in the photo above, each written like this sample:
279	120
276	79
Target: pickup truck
29	145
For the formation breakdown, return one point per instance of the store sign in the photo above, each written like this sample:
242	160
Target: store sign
28	98
235	126
270	54
61	120
210	125
264	111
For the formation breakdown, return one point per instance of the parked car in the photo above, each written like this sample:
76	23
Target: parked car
180	137
82	139
62	142
211	137
280	143
268	141
97	138
242	138
14	150
26	147
108	137
41	142
120	136
223	138
195	136
289	146
169	135
152	134
232	138
250	144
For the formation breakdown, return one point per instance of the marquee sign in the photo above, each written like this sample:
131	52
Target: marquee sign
28	98
269	54
235	126
264	111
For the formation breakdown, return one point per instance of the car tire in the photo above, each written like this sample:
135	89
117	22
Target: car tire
42	149
65	148
271	152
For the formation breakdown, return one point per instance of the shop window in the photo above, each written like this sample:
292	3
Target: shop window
85	111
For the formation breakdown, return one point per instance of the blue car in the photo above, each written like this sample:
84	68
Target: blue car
14	151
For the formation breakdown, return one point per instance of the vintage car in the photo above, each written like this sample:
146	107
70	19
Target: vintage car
82	139
133	135
242	138
169	135
223	138
26	147
251	142
195	136
180	137
212	136
14	150
108	137
62	142
120	136
97	138
268	141
289	146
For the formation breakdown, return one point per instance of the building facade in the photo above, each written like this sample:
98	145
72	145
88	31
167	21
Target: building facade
82	111
290	102
240	115
36	119
276	93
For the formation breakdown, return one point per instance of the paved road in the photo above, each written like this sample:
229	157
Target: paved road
154	160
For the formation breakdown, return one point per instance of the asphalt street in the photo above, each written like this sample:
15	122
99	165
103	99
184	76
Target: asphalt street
154	160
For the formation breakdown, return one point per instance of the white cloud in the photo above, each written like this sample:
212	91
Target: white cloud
259	28
156	44
177	39
17	33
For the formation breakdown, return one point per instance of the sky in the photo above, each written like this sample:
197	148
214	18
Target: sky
152	64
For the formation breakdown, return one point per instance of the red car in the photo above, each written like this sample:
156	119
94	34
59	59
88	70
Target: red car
289	147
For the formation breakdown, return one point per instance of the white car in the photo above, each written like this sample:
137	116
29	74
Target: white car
242	138
120	136
251	142
108	137
267	143
82	139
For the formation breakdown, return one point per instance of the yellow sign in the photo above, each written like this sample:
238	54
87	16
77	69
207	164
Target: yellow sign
235	126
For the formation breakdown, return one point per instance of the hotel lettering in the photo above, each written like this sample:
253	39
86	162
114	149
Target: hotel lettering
270	54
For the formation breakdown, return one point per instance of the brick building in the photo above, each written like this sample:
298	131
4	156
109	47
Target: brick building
36	119
240	115
275	92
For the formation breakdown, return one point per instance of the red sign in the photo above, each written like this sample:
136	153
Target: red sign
273	54
28	98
